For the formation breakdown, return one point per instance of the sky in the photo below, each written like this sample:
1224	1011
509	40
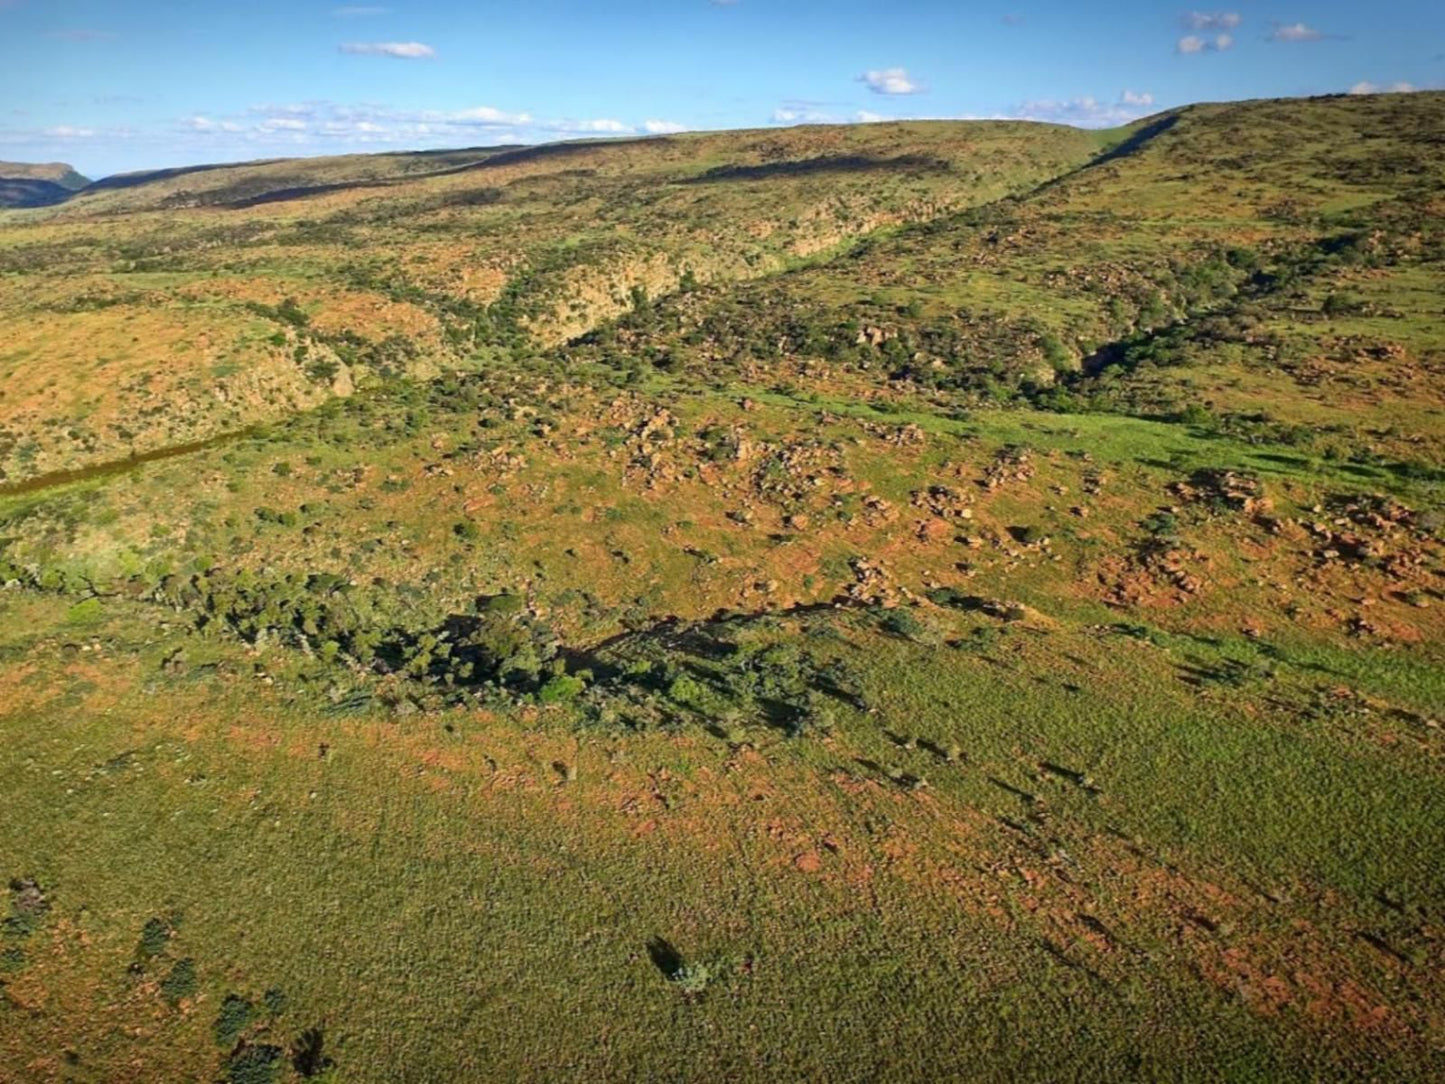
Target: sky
118	85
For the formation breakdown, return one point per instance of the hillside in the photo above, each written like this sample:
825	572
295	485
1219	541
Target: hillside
940	600
29	185
174	299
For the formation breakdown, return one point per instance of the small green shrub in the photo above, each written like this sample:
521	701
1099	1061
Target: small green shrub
88	612
255	1064
232	1020
903	623
692	979
180	983
155	935
562	688
1343	303
1201	417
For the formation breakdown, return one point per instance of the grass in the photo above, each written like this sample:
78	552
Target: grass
981	628
437	896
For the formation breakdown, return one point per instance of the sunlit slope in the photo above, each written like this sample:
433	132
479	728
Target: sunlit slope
140	317
1276	266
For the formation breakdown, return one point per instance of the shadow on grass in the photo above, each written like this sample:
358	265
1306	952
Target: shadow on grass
664	957
822	166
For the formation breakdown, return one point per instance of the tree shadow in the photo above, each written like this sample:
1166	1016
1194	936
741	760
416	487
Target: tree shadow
664	957
308	1054
808	167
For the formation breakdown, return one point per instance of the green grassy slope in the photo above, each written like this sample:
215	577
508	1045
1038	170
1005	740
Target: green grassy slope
1281	285
176	306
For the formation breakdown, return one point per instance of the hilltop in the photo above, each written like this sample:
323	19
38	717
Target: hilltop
938	600
30	185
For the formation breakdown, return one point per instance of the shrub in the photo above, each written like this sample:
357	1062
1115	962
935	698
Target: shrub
181	982
258	1064
504	605
154	937
232	1020
562	688
322	371
1055	353
88	612
1199	416
692	979
1342	304
905	624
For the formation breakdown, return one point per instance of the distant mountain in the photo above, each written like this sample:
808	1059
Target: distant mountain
26	184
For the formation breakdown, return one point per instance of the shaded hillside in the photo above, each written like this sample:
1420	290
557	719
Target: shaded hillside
29	185
238	183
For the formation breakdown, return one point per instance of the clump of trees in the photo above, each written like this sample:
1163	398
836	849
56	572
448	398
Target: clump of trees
501	644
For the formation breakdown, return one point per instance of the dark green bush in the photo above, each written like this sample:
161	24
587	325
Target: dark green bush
180	983
232	1020
154	937
255	1064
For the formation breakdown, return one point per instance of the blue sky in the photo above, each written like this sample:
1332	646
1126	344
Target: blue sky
111	85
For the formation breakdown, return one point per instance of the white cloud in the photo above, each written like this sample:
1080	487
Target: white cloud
1194	43
1211	20
1087	111
206	124
63	134
891	81
325	127
1373	88
485	115
294	109
601	126
802	113
1295	32
398	50
1084	112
